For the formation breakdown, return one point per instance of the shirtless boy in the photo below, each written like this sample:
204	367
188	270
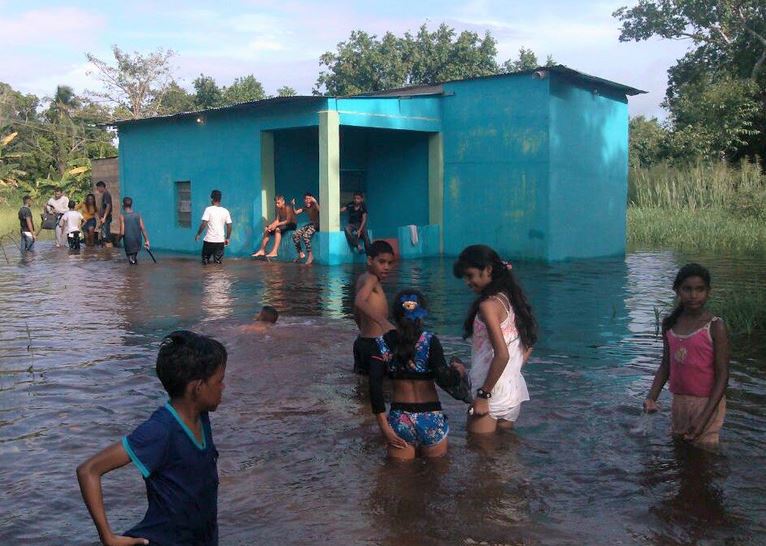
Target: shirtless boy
371	306
284	221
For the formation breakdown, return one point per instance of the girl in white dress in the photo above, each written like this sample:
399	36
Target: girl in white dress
503	332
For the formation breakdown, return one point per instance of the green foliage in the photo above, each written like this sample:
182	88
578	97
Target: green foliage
245	89
135	84
207	92
286	91
648	142
365	63
527	60
176	99
717	92
704	185
706	230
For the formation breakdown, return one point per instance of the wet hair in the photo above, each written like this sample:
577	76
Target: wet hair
282	197
72	204
26	198
184	357
360	194
687	271
481	256
409	329
379	247
215	195
127	202
269	314
101	184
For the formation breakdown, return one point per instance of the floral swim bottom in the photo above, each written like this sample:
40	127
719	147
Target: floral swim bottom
419	428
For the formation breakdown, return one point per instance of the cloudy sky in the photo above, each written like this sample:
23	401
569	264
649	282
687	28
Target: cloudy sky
280	41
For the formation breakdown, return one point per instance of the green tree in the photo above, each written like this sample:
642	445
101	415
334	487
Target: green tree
648	142
716	93
527	60
245	89
286	91
207	92
135	84
365	63
175	99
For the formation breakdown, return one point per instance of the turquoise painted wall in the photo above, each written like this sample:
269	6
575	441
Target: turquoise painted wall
221	153
406	113
397	181
589	169
496	165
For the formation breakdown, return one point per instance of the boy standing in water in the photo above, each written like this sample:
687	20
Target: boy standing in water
173	450
370	305
131	230
216	219
26	225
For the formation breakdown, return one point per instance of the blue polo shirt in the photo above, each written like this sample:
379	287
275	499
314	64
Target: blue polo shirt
181	477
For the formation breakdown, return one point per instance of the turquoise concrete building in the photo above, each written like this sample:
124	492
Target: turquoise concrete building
533	164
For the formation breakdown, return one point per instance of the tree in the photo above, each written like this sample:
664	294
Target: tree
175	99
716	93
648	142
286	91
527	60
245	89
136	83
207	92
365	63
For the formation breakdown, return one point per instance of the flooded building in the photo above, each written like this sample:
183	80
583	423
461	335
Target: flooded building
533	164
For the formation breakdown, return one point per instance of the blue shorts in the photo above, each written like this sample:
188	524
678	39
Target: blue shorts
419	428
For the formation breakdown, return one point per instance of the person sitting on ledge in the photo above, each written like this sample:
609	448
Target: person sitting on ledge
356	229
284	221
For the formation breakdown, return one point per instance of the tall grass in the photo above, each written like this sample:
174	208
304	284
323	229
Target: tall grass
701	186
707	206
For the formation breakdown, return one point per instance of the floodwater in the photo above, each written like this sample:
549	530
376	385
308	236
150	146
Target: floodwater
301	461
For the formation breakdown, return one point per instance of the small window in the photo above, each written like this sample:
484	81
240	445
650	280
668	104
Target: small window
183	203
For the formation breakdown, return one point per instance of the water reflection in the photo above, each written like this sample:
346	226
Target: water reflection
301	456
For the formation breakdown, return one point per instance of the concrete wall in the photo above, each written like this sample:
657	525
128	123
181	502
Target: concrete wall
589	170
222	152
496	165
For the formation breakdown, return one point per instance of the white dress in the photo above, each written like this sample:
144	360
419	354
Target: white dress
511	389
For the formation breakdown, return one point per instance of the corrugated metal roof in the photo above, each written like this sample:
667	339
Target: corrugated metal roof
251	105
438	89
411	91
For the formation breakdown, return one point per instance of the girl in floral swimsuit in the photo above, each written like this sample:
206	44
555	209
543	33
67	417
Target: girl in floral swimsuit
413	359
503	332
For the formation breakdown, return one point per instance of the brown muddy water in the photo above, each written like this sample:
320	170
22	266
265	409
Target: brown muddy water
301	461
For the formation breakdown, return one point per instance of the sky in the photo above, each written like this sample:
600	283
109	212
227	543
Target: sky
280	41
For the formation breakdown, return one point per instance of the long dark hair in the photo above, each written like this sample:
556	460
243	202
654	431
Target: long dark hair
689	270
410	329
481	256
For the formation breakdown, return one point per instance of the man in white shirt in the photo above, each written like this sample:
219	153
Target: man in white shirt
71	225
58	205
217	220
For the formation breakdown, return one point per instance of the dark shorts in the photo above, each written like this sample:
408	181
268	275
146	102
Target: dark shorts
214	250
288	227
419	424
364	349
90	224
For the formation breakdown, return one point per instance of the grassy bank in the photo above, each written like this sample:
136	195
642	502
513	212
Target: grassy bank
708	206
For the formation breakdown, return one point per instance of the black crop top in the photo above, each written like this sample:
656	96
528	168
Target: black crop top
428	358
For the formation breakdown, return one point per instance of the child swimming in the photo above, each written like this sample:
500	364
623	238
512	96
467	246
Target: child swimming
173	450
503	332
695	358
412	358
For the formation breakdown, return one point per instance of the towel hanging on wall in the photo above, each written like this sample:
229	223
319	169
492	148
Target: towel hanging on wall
413	234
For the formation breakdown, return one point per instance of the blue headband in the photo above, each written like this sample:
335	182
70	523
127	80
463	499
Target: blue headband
412	309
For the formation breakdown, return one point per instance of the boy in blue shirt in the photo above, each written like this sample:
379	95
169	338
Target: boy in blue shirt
173	450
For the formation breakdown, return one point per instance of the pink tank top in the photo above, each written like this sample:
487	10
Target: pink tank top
692	370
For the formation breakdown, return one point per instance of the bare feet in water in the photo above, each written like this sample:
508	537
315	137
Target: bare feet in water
311	258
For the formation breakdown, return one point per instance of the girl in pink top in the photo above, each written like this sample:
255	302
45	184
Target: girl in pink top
503	331
695	358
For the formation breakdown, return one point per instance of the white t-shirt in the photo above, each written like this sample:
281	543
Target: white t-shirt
216	217
60	205
71	221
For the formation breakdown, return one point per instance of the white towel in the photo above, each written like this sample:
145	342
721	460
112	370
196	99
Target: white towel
413	234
